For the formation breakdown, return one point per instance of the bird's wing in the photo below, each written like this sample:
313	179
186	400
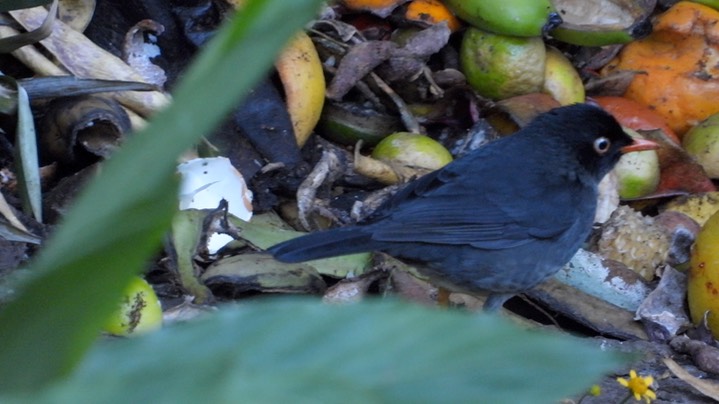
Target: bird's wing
457	206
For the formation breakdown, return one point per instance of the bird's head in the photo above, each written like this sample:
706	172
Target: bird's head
590	134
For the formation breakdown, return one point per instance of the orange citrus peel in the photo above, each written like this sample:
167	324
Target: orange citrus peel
432	12
678	65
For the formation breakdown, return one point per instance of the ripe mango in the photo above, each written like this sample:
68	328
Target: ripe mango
703	280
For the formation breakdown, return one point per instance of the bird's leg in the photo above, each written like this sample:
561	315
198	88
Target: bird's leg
495	301
330	168
366	207
443	297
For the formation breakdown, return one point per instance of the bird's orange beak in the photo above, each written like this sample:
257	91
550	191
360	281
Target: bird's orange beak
640	145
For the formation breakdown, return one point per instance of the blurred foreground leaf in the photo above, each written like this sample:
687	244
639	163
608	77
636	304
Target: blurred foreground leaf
118	222
304	351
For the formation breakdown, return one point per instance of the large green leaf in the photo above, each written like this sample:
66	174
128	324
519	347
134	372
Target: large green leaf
118	222
304	351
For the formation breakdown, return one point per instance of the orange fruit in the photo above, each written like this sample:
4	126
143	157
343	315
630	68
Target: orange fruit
678	65
432	12
634	115
382	8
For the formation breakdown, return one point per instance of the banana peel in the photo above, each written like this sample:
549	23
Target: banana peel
259	272
704	276
266	230
77	13
603	22
525	18
699	207
300	70
84	59
303	80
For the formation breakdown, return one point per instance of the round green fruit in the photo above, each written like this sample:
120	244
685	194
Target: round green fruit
702	142
139	311
410	149
637	173
499	66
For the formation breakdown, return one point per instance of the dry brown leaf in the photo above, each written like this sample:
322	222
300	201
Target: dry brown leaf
8	214
138	52
359	61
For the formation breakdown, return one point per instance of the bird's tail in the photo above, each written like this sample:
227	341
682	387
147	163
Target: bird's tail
323	244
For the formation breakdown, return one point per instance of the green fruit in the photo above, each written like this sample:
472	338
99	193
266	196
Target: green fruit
561	79
499	66
139	311
637	173
603	22
710	3
410	149
702	142
349	123
508	17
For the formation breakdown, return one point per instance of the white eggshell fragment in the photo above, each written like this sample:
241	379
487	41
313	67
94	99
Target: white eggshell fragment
206	181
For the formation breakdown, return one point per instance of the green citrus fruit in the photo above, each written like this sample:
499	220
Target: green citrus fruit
637	173
500	66
411	149
139	310
702	142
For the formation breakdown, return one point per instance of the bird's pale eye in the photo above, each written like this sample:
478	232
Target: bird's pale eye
601	145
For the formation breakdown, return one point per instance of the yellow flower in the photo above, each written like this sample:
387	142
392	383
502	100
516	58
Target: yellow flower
639	386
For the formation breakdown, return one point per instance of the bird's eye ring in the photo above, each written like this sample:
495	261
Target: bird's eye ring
601	145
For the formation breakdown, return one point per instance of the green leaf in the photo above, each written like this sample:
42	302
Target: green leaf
15	99
186	231
118	222
262	232
27	157
303	351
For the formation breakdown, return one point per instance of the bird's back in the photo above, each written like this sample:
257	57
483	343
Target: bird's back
502	218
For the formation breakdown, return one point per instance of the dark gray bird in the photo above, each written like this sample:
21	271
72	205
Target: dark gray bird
501	219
